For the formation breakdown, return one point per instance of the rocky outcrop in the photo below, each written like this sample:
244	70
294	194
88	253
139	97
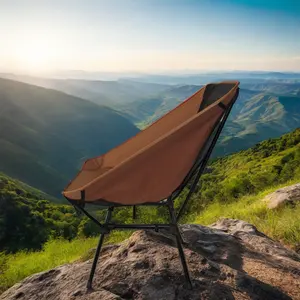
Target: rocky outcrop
229	260
287	195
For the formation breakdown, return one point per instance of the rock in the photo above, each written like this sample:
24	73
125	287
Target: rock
286	195
230	259
235	227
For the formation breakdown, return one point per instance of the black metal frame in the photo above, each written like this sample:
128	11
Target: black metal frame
196	171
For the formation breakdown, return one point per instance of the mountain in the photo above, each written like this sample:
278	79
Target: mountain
267	105
144	111
100	92
206	77
45	134
262	111
256	117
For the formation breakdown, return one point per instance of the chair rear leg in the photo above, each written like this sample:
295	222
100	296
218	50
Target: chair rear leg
179	242
183	260
134	212
96	257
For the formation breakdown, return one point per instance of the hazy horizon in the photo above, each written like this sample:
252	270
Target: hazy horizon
149	36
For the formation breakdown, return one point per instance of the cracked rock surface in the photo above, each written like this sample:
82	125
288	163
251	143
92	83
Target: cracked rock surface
230	259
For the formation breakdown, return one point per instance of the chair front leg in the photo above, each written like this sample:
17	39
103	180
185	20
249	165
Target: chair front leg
96	257
178	237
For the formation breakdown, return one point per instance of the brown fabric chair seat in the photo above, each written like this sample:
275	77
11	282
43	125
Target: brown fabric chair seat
152	164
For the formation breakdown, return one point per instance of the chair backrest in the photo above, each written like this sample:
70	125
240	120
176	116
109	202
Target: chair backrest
149	166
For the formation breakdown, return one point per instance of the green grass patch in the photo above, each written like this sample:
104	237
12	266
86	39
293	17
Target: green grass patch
282	224
15	267
118	236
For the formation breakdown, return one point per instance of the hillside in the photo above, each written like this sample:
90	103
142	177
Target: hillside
232	187
145	111
277	86
267	164
28	219
235	185
256	117
227	180
45	135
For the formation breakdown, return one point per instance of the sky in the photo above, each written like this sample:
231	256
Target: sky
39	36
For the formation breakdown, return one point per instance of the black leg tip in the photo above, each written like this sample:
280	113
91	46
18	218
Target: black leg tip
190	286
89	286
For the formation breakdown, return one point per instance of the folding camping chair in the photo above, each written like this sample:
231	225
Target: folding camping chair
153	167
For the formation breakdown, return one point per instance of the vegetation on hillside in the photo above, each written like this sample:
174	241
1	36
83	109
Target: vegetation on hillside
282	224
234	187
27	220
269	163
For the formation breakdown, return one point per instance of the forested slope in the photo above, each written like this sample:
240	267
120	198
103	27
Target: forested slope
45	135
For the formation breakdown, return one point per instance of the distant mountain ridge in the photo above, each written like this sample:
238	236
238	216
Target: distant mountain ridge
268	106
45	135
101	92
257	118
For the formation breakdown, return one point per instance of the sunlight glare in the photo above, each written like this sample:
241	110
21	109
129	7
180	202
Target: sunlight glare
36	53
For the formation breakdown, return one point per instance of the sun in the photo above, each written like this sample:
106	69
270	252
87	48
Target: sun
36	54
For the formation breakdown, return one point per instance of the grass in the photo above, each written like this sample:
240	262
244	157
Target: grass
282	224
15	267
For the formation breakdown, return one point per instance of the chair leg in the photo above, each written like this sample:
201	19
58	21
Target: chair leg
183	261
134	212
93	269
180	236
96	257
179	242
